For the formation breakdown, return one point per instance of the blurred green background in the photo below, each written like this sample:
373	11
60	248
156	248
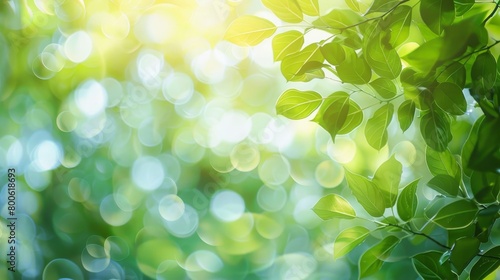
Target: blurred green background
146	147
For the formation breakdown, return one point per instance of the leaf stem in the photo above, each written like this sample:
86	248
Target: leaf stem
421	234
492	14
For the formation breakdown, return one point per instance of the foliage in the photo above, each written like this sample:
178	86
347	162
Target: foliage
418	60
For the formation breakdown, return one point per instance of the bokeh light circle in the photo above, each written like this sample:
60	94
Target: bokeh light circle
227	205
171	207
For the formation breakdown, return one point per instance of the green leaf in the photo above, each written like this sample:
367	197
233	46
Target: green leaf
437	14
309	7
483	71
427	56
376	127
384	87
354	71
444	184
286	10
406	113
334	53
455	215
485	266
435	129
382	5
469	144
339	19
293	64
428	267
353	4
398	22
442	163
453	73
485	186
449	97
387	179
463	251
295	104
372	260
408	201
353	118
485	221
385	62
334	116
462	6
287	43
366	193
486	153
349	239
249	30
334	206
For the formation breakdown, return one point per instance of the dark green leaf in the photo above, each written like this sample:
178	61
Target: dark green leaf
387	179
483	71
485	266
367	194
428	267
286	10
435	129
373	259
249	30
486	153
398	22
292	64
453	73
353	118
406	113
335	114
463	251
437	14
384	87
408	201
376	127
295	104
334	206
462	6
442	163
444	184
485	186
382	5
333	52
287	43
385	62
455	215
339	19
449	97
469	144
485	221
348	239
354	71
309	7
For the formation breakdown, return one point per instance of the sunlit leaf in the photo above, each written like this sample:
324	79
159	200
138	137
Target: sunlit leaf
444	184
435	129
462	6
334	115
348	239
398	22
292	65
387	179
334	206
334	53
406	113
376	127
427	56
354	71
453	73
428	266
385	62
384	87
249	30
366	193
455	215
372	260
353	4
449	97
408	201
382	5
295	104
309	7
339	19
437	14
442	163
287	43
286	10
463	251
485	266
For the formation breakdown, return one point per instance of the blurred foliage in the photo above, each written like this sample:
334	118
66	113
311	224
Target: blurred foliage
435	59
